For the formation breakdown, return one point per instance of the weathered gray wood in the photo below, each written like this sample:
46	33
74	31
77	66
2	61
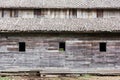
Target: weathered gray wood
82	54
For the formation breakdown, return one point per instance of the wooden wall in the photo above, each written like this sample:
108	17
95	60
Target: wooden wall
61	13
82	53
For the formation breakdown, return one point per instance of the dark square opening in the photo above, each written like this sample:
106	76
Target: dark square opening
102	47
22	46
62	46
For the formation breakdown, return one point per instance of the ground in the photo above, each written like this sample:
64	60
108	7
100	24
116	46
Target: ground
86	77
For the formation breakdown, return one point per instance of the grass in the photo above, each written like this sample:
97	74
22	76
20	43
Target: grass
86	76
4	78
61	49
83	77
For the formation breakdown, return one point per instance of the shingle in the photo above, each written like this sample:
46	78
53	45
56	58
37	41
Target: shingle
59	3
74	25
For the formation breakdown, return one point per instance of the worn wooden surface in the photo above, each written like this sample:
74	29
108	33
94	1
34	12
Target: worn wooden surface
82	54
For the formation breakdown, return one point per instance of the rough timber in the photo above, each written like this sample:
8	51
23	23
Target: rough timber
42	36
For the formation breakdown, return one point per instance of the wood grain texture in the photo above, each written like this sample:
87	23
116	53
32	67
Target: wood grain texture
82	54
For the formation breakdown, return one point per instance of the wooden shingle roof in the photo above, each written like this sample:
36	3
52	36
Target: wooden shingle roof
58	25
60	4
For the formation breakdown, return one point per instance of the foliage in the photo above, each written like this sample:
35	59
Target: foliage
61	49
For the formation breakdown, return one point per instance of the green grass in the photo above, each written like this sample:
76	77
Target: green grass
4	78
61	49
86	76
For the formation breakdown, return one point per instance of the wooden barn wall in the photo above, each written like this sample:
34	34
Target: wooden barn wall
60	13
82	53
